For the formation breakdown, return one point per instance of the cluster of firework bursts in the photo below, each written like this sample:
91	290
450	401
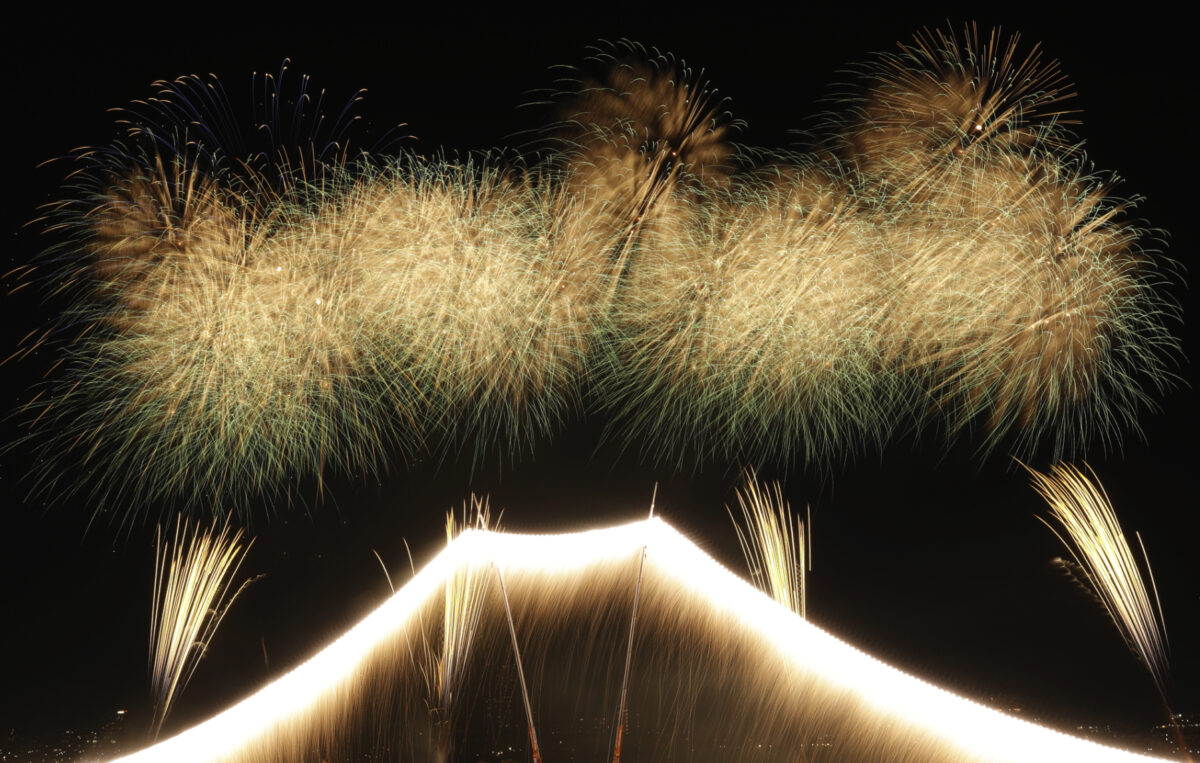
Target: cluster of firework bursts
942	256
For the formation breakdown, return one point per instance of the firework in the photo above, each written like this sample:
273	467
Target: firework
745	328
1084	520
239	345
464	596
222	358
1017	294
192	583
249	320
948	250
945	98
293	133
441	660
637	124
733	674
773	542
493	287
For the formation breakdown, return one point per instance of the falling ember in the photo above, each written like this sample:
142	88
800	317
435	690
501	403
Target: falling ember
724	669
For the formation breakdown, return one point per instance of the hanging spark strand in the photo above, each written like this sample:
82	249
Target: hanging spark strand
637	590
192	580
1084	520
773	542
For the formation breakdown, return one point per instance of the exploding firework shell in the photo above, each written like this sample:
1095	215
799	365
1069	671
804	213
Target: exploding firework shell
225	358
744	325
493	289
944	97
636	127
1016	294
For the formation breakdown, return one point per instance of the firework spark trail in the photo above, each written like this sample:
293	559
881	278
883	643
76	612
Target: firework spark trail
773	542
512	631
774	684
1087	525
463	604
192	582
620	719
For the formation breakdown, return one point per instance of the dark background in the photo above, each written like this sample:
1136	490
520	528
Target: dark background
924	555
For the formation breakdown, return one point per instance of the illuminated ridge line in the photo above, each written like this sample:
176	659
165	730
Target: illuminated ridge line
962	729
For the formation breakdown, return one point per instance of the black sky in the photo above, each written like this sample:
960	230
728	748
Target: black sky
924	555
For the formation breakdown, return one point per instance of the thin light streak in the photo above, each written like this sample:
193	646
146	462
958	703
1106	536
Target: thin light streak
619	718
512	631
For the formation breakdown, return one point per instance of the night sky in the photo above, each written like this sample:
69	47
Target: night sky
925	554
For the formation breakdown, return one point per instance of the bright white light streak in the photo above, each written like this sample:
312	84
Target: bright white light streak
976	732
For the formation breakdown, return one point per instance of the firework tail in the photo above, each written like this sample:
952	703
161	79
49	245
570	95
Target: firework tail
191	597
773	542
620	717
512	631
386	574
463	604
1086	523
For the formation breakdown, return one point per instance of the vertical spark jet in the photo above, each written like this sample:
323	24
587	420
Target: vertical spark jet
773	542
191	596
